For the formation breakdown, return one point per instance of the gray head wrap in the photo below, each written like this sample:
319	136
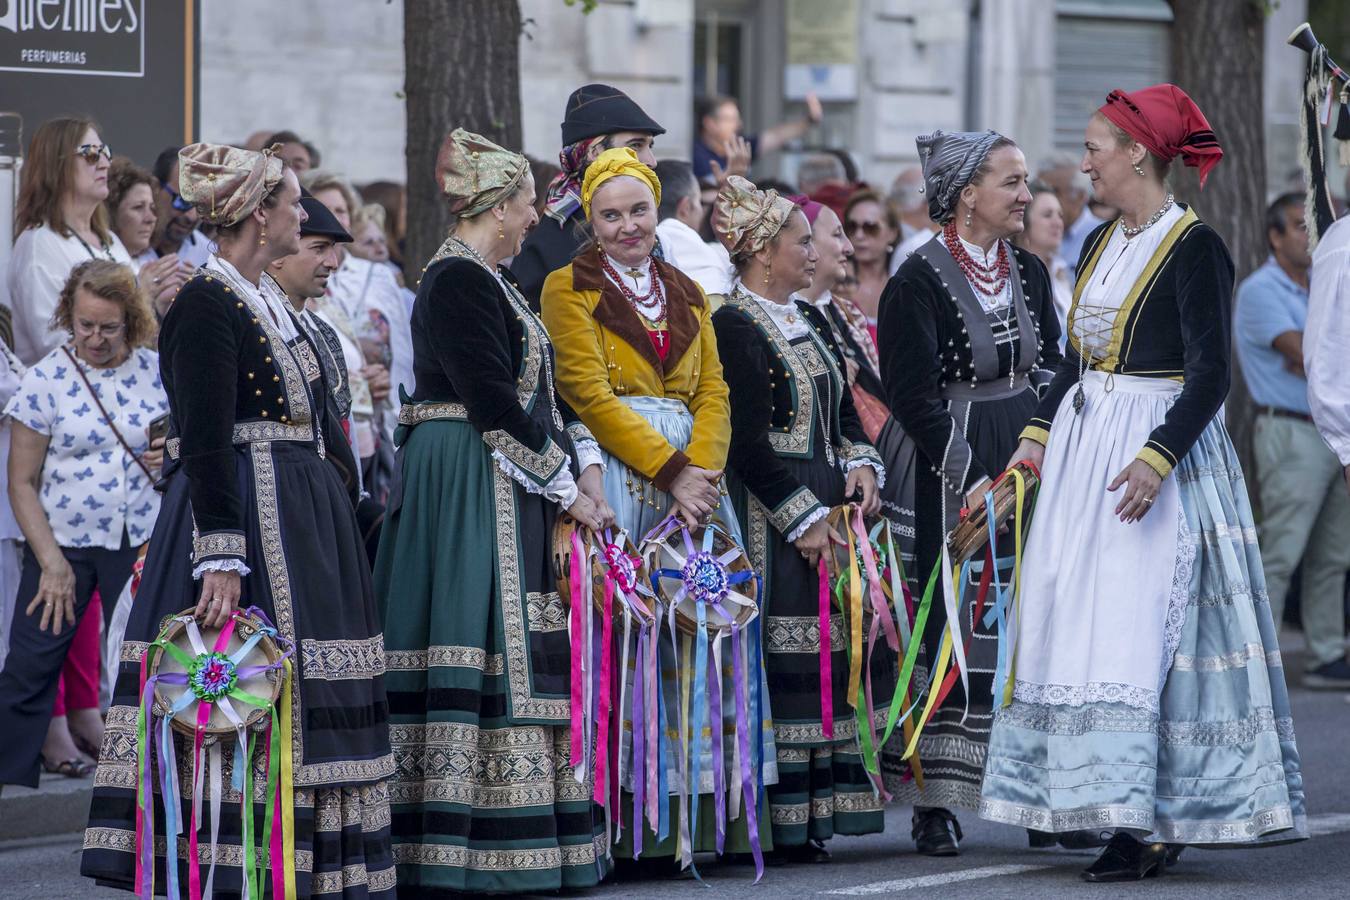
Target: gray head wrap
949	160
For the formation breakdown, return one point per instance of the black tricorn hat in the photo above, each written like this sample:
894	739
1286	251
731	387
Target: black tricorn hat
598	109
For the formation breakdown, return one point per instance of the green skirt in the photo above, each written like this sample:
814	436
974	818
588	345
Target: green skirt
477	677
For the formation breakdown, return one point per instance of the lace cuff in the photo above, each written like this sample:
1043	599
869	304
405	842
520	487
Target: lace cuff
539	468
561	489
588	454
814	517
220	565
877	468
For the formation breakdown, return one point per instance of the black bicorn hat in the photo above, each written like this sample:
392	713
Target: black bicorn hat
597	109
321	221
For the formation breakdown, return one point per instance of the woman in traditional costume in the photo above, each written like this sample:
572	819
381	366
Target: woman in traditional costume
1148	697
967	335
476	640
254	508
798	449
638	362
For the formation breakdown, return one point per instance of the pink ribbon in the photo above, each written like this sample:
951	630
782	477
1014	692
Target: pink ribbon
601	791
826	674
579	640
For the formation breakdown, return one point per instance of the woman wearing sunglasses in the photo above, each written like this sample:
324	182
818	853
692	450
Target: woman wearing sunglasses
61	221
871	226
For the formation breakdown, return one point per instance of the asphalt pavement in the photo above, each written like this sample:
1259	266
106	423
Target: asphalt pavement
995	862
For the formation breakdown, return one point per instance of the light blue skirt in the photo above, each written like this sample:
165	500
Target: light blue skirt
1213	760
638	508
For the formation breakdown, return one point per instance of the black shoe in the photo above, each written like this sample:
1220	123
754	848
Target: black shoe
936	832
1084	839
1332	676
1040	840
1174	854
1126	859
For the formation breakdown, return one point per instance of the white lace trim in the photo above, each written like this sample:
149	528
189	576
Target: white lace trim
562	490
588	454
1092	692
810	520
877	467
1179	599
220	565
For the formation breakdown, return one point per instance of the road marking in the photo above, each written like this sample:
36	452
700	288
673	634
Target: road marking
906	884
1328	823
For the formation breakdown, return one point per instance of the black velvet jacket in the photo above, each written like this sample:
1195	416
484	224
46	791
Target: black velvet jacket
937	344
1175	323
775	396
231	379
475	347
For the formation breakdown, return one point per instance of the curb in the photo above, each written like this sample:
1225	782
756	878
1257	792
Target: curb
58	805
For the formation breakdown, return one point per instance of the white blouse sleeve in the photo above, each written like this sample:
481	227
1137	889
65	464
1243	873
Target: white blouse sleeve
1326	335
37	273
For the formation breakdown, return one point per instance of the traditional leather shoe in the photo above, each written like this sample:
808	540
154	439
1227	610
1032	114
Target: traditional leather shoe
1084	839
936	832
1174	854
1126	859
1040	840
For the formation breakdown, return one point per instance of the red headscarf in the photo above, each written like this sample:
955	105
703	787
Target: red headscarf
1166	121
809	206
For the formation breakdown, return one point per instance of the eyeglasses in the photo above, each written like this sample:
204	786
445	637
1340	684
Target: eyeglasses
88	329
175	198
871	229
91	152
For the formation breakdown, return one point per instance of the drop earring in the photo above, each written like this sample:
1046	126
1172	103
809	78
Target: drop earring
1139	170
768	270
501	234
968	214
262	238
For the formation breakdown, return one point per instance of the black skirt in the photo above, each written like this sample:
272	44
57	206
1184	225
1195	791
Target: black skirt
308	574
952	752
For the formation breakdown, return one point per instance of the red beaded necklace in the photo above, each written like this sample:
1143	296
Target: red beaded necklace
655	296
988	280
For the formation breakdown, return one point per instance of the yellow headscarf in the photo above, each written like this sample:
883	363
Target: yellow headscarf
611	164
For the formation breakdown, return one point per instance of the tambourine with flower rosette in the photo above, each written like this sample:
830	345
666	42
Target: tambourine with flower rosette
212	684
602	582
711	596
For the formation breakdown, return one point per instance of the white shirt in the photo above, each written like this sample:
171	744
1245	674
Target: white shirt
707	264
38	269
91	487
195	250
786	316
1326	338
1121	263
989	260
265	298
11	373
373	302
907	247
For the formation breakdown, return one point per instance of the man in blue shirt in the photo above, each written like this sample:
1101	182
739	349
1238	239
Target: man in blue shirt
1305	507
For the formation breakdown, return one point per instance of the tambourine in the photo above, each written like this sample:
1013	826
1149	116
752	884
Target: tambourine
613	556
971	534
701	568
239	679
881	540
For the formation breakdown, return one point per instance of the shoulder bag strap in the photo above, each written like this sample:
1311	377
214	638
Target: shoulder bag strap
106	418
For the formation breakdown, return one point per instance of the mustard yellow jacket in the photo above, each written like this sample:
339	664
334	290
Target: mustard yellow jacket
604	353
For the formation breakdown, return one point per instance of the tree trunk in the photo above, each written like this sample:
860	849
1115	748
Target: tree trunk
462	69
1218	58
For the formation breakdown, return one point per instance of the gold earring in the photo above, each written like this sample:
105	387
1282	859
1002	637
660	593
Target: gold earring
767	271
1139	170
501	234
968	214
262	238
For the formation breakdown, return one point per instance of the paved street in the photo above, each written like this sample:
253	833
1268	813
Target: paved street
996	864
